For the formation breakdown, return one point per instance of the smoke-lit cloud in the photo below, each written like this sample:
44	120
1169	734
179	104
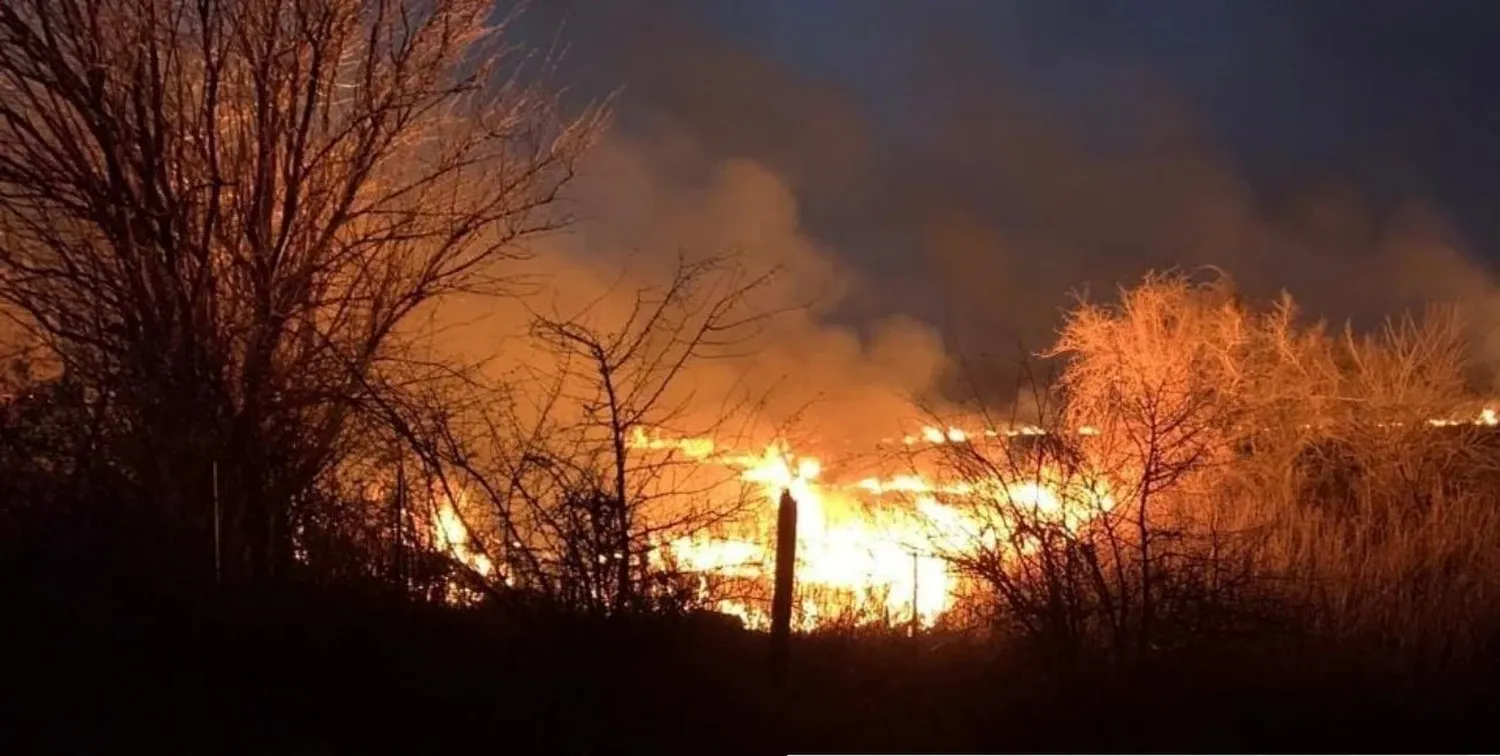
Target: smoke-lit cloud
648	201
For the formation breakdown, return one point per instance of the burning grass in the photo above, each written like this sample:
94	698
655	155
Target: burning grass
1186	483
1269	492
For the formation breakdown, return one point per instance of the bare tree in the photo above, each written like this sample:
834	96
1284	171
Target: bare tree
221	214
595	460
1090	526
1201	409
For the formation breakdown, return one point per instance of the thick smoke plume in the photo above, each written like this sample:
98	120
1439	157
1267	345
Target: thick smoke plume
645	205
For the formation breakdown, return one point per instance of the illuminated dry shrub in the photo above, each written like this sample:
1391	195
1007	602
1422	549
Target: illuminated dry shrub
1047	553
1033	551
1019	519
1256	463
1160	378
1368	418
1251	451
1385	520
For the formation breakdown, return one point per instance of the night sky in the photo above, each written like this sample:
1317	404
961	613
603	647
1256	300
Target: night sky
975	161
1399	97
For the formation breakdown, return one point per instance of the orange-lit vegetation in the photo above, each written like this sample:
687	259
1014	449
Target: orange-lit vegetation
221	221
1194	450
245	341
1198	458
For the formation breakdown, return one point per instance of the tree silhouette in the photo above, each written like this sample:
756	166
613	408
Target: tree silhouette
221	214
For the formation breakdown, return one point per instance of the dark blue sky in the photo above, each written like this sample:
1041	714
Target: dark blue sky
1399	97
992	154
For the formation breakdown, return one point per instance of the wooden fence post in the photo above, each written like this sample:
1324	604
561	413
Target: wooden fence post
781	599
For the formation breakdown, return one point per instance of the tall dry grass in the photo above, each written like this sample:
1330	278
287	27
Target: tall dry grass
1273	474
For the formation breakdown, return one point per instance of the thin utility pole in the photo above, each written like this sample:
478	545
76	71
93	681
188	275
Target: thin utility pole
914	616
218	552
399	557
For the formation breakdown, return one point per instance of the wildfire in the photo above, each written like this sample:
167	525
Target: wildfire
869	548
451	536
1487	417
849	559
859	556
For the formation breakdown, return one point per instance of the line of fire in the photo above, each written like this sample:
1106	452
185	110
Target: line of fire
860	549
609	376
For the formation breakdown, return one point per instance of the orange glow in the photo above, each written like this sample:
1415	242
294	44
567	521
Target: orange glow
449	535
859	555
868	546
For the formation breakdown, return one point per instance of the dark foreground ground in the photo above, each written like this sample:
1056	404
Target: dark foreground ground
99	670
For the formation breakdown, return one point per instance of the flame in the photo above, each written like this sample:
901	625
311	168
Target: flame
934	435
693	448
451	536
870	545
876	562
1487	417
